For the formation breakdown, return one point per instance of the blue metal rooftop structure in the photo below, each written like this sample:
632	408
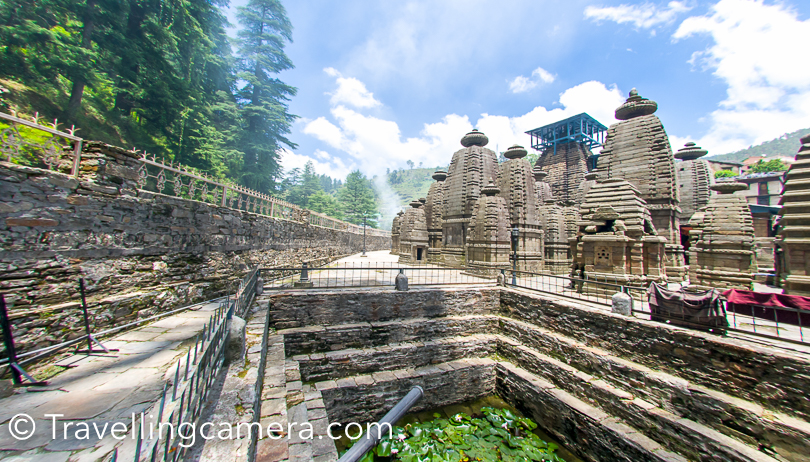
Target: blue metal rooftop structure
580	128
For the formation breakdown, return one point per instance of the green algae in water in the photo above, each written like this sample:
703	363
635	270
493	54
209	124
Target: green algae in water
471	432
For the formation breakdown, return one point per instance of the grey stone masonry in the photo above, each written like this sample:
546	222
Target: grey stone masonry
794	264
637	149
140	253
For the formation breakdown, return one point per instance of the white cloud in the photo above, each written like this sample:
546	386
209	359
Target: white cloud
376	144
592	97
643	16
351	91
324	163
754	53
521	83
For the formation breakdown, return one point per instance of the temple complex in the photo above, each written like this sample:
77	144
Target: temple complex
617	239
615	215
794	237
469	169
637	149
413	237
694	180
433	215
488	242
516	182
722	251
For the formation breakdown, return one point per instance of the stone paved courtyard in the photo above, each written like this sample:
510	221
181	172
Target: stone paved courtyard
101	388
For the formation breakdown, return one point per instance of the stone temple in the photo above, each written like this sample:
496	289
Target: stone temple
637	149
624	214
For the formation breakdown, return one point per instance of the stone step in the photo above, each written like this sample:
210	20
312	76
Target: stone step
336	364
315	339
603	436
684	436
732	416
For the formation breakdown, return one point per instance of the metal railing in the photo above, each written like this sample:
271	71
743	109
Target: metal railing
752	321
184	397
372	274
785	324
34	145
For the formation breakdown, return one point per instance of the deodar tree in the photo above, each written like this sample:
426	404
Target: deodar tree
265	30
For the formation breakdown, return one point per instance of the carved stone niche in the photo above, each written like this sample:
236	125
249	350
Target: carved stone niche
603	256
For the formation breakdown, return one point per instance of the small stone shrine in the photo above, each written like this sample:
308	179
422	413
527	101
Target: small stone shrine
395	229
516	182
553	222
433	214
488	243
543	189
722	254
794	237
469	169
694	179
585	186
637	150
413	235
617	239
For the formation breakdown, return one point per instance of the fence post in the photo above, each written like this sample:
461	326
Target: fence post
86	321
8	340
77	159
224	195
17	372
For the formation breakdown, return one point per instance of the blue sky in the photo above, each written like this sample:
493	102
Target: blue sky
383	82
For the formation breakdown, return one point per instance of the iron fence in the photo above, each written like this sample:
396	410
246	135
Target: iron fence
184	397
752	321
373	274
35	145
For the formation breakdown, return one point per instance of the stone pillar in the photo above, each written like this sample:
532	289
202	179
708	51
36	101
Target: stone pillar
723	254
433	216
794	237
469	169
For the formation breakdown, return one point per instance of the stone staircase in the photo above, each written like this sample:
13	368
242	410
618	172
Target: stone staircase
571	367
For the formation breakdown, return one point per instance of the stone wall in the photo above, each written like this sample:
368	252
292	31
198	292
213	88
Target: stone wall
139	252
766	375
608	387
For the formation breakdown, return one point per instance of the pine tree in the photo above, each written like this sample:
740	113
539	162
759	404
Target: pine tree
359	199
265	29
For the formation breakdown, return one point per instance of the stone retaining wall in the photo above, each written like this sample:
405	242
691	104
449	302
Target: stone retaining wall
774	377
139	252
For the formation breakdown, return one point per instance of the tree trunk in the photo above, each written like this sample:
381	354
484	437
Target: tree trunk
79	83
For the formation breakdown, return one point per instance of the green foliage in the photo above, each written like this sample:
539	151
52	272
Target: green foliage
359	199
265	31
773	165
302	187
410	184
496	435
786	145
325	203
159	76
724	174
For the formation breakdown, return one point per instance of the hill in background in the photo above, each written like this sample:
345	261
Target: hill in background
786	145
410	184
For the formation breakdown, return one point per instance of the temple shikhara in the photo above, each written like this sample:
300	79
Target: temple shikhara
613	203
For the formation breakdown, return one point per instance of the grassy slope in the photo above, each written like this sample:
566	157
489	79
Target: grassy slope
415	184
786	145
